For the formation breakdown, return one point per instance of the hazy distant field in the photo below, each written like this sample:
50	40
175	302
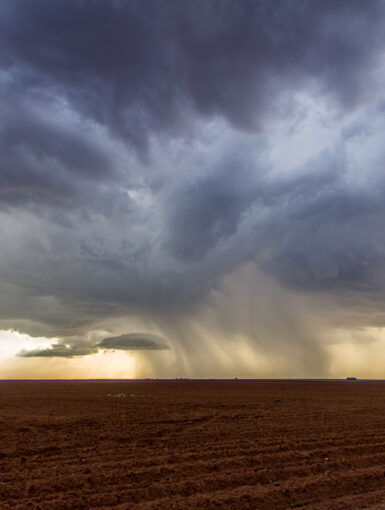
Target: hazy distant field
186	444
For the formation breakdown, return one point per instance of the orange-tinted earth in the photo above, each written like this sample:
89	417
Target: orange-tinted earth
192	444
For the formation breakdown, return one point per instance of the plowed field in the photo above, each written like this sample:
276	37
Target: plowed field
192	445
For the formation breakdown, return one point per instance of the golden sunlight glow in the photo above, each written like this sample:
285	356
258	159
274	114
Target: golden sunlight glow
103	365
358	354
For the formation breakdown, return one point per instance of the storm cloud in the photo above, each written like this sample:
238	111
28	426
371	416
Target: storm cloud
133	341
58	350
153	152
79	347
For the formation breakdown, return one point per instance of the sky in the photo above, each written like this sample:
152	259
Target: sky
192	188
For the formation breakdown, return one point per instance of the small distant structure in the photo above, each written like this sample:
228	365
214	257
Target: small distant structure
351	379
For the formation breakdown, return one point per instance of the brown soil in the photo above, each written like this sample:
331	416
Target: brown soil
192	445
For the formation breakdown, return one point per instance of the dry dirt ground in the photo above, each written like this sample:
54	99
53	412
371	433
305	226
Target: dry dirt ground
192	445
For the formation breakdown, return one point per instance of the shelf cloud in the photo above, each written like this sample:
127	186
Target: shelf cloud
133	341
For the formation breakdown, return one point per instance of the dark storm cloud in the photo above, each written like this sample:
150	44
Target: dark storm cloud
140	68
143	59
313	229
208	210
133	341
323	229
45	159
135	171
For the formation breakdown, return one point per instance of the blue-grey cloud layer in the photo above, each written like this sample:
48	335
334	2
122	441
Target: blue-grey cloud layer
136	168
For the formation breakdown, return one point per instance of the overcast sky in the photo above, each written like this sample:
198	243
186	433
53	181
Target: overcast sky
192	188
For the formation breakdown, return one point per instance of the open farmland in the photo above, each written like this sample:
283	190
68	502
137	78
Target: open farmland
192	444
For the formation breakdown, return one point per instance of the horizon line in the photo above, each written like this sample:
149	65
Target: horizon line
197	379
